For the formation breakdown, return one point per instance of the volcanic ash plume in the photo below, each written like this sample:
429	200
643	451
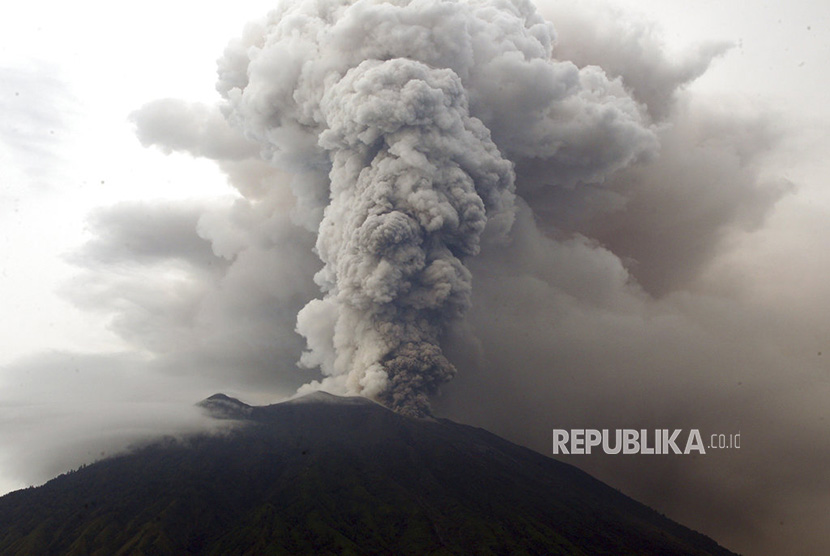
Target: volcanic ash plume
413	178
408	106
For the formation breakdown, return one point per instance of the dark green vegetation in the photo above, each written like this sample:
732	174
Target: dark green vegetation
326	475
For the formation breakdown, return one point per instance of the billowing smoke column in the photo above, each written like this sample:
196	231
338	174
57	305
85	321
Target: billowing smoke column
413	179
398	119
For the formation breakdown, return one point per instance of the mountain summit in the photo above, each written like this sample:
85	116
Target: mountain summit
329	475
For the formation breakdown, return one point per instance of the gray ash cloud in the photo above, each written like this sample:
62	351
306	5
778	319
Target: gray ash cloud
417	112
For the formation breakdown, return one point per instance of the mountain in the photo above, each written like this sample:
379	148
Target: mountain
330	475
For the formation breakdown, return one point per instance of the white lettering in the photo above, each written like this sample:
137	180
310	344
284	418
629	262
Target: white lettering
560	441
632	445
644	448
694	442
670	441
592	438
577	441
605	446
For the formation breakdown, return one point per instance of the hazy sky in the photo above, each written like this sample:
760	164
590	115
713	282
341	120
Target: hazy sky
684	291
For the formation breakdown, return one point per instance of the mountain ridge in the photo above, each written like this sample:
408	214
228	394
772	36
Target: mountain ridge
335	478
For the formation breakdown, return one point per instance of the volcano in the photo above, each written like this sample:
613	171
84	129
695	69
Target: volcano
325	474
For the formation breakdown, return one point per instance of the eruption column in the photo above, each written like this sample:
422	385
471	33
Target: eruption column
413	178
396	118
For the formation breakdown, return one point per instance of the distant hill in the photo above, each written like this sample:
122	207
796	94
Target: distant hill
330	475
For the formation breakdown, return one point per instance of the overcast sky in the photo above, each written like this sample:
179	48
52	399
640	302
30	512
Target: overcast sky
149	259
